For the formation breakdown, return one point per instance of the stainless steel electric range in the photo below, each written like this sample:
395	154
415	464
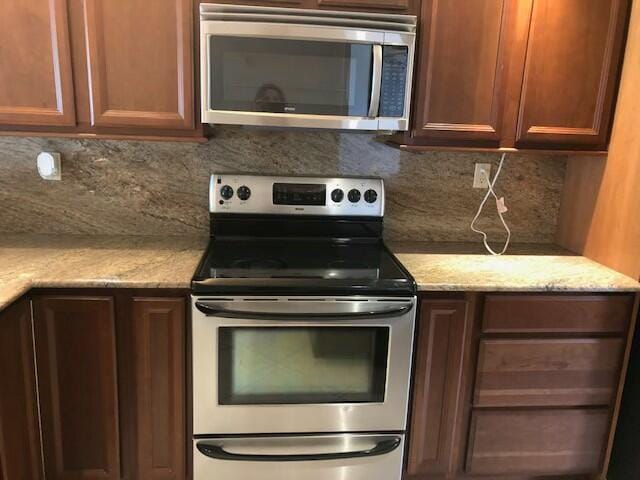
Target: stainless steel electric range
302	333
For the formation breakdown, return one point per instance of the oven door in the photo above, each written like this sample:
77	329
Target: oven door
282	365
289	75
319	457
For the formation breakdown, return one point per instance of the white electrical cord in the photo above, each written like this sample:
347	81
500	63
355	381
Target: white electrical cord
500	207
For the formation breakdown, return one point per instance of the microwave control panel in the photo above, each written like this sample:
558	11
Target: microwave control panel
394	77
351	196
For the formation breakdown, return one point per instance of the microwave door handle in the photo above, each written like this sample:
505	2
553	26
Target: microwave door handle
219	311
219	453
376	82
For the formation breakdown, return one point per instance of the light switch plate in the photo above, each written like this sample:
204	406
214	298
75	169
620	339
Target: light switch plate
49	165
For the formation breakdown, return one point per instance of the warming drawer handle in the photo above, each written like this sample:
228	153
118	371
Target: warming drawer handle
217	311
219	453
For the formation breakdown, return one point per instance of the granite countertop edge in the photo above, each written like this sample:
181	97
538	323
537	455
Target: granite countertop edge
527	268
489	288
32	261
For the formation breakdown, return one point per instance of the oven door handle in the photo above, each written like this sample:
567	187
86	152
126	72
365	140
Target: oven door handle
219	453
219	311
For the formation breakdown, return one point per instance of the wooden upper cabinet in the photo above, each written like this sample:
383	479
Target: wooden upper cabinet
76	358
20	457
571	72
444	329
140	63
462	54
36	86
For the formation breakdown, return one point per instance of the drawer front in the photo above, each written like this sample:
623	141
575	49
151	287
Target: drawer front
557	313
557	442
548	372
328	457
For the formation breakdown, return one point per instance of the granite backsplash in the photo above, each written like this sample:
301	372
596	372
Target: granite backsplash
160	188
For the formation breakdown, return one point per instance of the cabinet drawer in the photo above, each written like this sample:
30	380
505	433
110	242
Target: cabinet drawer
552	442
557	313
548	372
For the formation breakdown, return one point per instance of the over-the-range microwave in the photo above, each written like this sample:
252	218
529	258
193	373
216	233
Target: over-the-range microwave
288	67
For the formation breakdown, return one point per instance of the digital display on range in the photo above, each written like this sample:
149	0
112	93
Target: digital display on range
299	194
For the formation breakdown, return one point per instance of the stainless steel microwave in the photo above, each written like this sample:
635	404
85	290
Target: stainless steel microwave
287	67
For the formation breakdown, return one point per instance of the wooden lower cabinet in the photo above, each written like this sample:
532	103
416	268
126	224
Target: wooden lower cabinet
537	442
443	333
517	387
111	374
557	314
548	372
20	457
152	360
75	340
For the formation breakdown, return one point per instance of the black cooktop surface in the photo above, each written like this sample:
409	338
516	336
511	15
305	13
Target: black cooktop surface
296	267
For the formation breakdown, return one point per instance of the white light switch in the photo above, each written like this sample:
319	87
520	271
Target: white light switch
49	165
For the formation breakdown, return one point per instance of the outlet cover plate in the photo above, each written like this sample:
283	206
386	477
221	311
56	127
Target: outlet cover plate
479	180
49	165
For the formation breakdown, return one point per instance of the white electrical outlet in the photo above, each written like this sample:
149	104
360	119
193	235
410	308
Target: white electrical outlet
49	166
480	180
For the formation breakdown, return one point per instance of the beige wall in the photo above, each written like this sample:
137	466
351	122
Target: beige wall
600	213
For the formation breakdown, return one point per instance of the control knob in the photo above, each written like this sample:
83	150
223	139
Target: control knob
226	192
244	192
370	196
337	195
354	195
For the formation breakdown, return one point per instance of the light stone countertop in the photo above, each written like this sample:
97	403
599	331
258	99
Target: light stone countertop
60	261
525	268
68	261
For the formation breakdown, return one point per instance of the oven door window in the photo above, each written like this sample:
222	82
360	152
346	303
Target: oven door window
302	365
290	76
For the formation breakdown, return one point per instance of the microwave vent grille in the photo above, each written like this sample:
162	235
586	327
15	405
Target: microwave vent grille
297	16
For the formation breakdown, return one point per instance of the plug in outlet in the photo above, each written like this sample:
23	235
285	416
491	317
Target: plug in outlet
480	180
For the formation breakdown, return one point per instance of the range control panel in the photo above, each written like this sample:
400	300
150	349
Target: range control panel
229	193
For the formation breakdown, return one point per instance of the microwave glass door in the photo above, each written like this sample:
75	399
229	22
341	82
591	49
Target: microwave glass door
302	365
250	74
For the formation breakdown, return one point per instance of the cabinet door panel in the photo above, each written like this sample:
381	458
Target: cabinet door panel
140	63
460	79
20	457
537	442
444	327
76	355
571	71
158	326
551	372
36	86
